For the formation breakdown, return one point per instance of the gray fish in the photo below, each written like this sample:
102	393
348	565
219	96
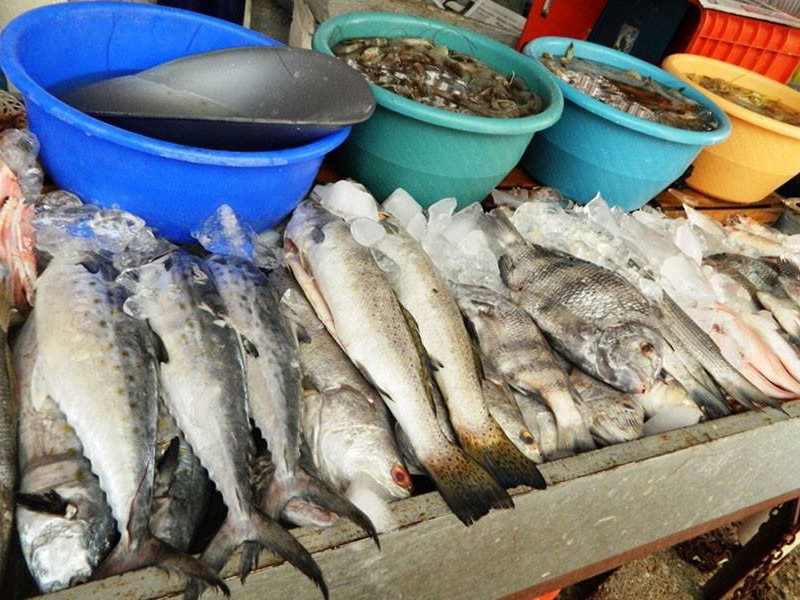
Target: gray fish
204	388
8	442
272	369
501	404
591	315
613	416
354	300
345	422
65	526
180	492
99	366
424	293
763	283
686	338
512	346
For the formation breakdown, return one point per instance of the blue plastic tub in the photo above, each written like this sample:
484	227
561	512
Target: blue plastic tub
173	187
596	148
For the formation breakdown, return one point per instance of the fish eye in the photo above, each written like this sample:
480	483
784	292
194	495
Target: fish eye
401	476
647	348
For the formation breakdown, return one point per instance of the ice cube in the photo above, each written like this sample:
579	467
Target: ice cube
366	231
18	149
417	226
546	194
462	222
268	250
223	233
442	209
401	205
350	201
57	200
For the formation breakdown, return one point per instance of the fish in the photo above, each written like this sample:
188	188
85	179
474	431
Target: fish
425	295
274	384
99	365
180	490
763	284
513	346
691	375
344	419
667	405
503	407
589	314
686	338
542	423
203	381
65	526
356	303
613	416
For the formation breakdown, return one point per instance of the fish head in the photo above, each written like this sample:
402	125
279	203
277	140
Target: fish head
629	356
618	422
383	466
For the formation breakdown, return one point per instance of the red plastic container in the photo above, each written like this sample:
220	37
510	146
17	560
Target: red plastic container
766	48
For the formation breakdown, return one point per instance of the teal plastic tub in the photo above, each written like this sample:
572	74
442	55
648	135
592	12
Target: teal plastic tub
430	152
597	148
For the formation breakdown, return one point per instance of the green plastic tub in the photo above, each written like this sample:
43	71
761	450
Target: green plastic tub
430	152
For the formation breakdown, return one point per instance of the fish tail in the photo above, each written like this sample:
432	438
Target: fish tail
301	486
465	486
269	534
320	494
573	434
499	227
152	552
498	455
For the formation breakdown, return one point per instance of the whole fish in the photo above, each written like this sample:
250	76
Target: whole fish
503	407
512	345
424	293
180	492
345	423
591	315
272	369
204	388
763	283
65	526
613	417
355	301
99	366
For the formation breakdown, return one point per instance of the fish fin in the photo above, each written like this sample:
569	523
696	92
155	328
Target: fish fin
293	304
152	552
304	512
433	363
50	502
573	432
500	457
498	226
362	493
249	347
467	489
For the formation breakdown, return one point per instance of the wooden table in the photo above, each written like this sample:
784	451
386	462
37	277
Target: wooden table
602	509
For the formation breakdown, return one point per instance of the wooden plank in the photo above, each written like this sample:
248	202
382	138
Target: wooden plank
600	505
766	212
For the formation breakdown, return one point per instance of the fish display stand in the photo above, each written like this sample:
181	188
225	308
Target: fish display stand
602	509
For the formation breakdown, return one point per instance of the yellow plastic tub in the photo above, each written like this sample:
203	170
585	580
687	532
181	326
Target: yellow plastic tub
761	153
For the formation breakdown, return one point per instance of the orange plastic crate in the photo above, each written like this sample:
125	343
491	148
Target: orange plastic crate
767	48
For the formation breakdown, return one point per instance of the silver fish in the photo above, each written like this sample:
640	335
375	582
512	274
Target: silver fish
512	345
204	388
345	422
424	293
691	375
272	369
613	416
180	492
99	366
591	315
65	526
354	300
503	407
